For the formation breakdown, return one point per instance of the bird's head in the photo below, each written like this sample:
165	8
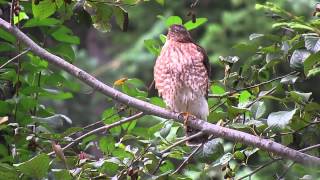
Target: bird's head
179	33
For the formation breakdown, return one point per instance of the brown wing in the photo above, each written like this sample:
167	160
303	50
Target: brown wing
206	63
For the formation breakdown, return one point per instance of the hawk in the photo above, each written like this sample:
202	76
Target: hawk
181	75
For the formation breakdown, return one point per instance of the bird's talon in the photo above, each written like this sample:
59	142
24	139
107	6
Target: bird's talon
186	116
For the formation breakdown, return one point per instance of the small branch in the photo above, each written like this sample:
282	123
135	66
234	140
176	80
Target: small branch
285	171
103	128
14	58
250	87
259	168
159	164
277	159
181	141
147	108
310	148
302	128
260	97
188	158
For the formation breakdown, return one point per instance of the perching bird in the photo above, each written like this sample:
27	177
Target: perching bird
181	76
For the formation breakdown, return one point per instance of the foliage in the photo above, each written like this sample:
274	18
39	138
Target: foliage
249	97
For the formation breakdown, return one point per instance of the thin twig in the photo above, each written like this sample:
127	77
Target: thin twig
310	148
250	87
133	161
285	171
259	168
260	97
188	158
277	159
103	128
181	141
14	58
215	107
159	164
302	128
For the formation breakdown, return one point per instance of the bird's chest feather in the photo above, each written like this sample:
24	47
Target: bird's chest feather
181	60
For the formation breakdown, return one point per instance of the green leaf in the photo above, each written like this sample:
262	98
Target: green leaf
291	79
110	167
65	51
172	133
121	17
100	15
7	172
157	101
121	154
163	38
239	155
313	72
173	20
299	96
258	109
5	108
55	95
244	98
310	62
280	119
36	167
110	116
56	121
286	139
62	174
217	90
44	9
224	160
106	144
312	43
255	36
22	16
211	150
5	47
161	2
167	166
233	111
64	34
153	46
7	36
36	22
199	21
297	59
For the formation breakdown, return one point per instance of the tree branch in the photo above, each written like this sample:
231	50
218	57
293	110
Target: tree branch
14	58
148	108
100	129
181	141
187	159
250	87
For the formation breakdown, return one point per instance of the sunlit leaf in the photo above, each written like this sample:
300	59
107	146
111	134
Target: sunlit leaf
173	20
298	57
35	22
64	34
36	167
280	119
192	25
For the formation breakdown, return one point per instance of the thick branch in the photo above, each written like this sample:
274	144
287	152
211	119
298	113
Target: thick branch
148	108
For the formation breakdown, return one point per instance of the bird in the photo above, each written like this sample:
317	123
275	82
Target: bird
181	76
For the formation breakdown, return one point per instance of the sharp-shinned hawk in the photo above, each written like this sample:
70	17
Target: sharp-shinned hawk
181	75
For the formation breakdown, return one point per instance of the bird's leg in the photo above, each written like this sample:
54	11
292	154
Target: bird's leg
186	115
